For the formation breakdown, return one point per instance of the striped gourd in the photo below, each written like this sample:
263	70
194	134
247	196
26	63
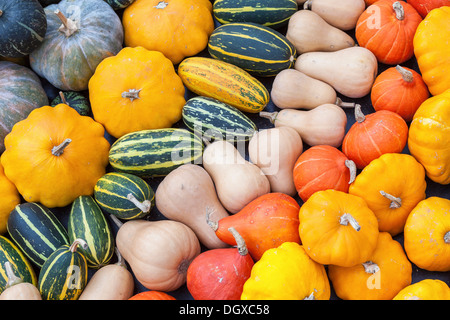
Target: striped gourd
270	13
19	262
225	82
125	195
214	119
75	100
64	274
260	50
87	222
119	4
153	153
36	231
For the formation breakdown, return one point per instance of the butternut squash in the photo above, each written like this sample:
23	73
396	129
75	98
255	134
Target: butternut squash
351	71
17	289
309	32
237	180
275	151
185	195
324	124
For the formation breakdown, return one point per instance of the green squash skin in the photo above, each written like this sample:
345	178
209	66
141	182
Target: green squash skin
17	101
68	62
22	27
74	100
119	4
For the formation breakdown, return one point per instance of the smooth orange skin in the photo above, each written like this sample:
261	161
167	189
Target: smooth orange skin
152	295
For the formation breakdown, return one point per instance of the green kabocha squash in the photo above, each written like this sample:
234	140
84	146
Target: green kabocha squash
80	34
22	27
87	221
18	100
64	274
119	4
124	195
75	100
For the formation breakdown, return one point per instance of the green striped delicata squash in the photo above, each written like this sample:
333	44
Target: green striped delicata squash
155	153
225	82
87	221
36	231
270	13
259	50
22	267
124	195
64	274
213	119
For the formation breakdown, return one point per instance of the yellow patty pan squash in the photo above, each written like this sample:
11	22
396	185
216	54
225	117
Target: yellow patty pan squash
427	289
427	234
429	137
10	197
177	28
338	228
386	273
432	49
136	90
286	273
392	185
55	155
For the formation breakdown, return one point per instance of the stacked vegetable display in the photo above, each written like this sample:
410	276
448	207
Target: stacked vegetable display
228	149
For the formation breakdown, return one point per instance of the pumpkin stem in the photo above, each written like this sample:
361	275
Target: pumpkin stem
406	74
69	27
343	104
144	206
359	115
240	242
12	278
63	97
131	94
310	297
161	5
59	150
371	267
116	220
352	167
213	224
347	218
447	237
399	11
395	202
78	242
307	5
120	260
272	116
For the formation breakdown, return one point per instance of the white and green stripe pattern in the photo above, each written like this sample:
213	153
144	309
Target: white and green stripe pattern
270	13
152	153
63	275
87	221
259	50
36	231
125	195
214	119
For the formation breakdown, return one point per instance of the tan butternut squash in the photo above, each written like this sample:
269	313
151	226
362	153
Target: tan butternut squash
17	289
275	151
292	89
186	195
324	124
110	282
342	14
237	181
309	32
351	71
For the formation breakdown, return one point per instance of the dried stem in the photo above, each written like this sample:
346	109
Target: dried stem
240	242
272	116
131	94
69	27
352	168
406	74
347	218
371	267
399	11
359	115
78	242
395	202
12	278
59	149
144	206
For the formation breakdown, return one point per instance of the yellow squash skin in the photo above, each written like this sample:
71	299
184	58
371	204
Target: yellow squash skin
432	49
287	273
429	137
10	198
427	234
158	103
397	175
55	180
427	289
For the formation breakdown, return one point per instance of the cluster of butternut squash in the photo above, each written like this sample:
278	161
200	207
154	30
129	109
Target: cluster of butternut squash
329	198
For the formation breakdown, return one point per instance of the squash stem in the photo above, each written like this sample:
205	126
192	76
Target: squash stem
352	168
63	97
78	242
59	150
213	224
120	260
144	206
310	297
12	278
307	5
240	242
399	11
272	116
161	5
343	104
131	94
447	237
406	74
359	115
395	202
371	267
116	221
347	218
69	27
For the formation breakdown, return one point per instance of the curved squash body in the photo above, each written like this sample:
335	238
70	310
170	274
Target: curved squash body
427	289
257	49
10	198
225	82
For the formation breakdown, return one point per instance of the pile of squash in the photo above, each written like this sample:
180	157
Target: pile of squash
224	150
